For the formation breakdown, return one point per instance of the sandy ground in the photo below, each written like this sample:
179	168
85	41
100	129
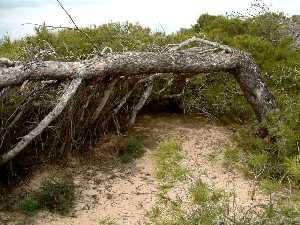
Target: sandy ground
125	193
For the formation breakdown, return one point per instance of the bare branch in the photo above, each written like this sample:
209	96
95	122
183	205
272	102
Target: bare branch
49	26
188	61
140	103
106	95
62	103
130	63
77	28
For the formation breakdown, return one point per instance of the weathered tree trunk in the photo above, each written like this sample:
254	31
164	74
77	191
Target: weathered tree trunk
248	75
209	57
188	61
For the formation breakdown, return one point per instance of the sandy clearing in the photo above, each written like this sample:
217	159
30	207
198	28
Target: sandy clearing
125	193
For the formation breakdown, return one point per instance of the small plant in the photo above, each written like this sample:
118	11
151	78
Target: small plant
272	153
107	221
200	193
134	149
293	168
231	156
29	204
168	158
56	194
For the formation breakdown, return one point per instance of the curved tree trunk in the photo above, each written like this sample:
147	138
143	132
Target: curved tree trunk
209	57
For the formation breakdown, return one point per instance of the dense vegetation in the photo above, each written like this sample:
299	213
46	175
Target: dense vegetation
274	154
270	149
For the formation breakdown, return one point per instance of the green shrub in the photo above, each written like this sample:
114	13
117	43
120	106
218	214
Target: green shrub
275	155
56	194
200	193
134	149
168	158
232	155
29	204
218	96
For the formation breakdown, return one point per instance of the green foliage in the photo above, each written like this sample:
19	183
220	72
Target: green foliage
29	204
293	167
107	221
263	37
218	96
275	156
200	193
232	156
72	45
55	194
168	158
269	186
134	149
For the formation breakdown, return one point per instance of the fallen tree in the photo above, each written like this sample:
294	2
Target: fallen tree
115	77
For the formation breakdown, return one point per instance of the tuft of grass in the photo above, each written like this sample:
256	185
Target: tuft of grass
293	168
200	193
55	194
213	207
231	157
107	221
134	149
168	158
29	204
269	186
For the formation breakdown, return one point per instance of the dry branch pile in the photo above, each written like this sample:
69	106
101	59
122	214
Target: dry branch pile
107	92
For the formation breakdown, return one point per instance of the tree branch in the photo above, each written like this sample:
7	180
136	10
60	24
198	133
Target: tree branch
62	103
106	95
140	103
188	61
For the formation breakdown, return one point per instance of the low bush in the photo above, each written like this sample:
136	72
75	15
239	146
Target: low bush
134	148
55	194
168	158
212	207
29	204
276	155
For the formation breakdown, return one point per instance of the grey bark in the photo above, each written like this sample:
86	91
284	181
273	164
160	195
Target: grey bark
107	94
62	103
140	103
132	63
207	58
